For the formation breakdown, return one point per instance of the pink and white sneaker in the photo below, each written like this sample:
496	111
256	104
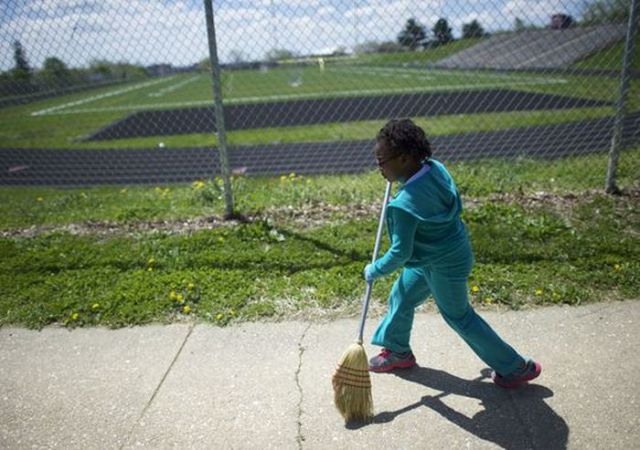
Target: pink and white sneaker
387	360
528	372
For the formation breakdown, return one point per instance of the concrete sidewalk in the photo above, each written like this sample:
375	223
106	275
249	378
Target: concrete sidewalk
268	385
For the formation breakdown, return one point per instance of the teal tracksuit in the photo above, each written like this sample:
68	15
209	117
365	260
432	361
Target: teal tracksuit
430	241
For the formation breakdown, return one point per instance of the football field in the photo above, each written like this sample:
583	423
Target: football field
286	83
67	121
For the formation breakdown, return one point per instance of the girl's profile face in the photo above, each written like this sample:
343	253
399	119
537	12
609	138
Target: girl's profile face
390	163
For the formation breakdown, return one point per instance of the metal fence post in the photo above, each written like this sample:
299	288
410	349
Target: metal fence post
616	140
219	110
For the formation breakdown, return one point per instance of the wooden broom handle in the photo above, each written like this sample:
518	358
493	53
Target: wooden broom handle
376	248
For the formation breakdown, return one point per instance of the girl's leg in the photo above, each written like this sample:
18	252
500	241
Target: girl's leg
409	290
450	293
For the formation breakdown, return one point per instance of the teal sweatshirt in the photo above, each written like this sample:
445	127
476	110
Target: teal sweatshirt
424	225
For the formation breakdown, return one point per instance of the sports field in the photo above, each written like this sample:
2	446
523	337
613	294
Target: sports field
257	86
64	122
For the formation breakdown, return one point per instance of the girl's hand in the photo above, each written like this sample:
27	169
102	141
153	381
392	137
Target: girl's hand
368	276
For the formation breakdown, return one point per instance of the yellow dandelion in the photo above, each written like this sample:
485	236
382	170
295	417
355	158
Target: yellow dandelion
283	179
151	261
538	292
475	289
186	309
488	300
75	316
191	286
40	199
173	295
180	298
219	316
95	306
617	268
150	269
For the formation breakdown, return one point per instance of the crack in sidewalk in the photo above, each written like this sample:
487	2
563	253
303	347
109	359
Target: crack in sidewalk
301	349
157	389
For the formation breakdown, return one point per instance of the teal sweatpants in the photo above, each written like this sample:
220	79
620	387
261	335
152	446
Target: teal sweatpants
449	290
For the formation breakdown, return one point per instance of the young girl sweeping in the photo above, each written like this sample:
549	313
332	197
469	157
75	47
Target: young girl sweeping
430	242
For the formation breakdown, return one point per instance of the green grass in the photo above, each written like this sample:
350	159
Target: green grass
610	57
22	207
571	246
417	58
54	134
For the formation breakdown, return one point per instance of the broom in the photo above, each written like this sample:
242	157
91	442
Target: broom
351	380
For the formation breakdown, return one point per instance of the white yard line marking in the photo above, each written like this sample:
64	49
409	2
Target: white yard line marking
174	87
99	97
311	95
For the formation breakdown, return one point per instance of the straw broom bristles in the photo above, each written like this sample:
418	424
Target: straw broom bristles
352	385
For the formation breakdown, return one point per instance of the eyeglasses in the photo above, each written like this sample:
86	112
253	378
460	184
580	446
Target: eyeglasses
382	162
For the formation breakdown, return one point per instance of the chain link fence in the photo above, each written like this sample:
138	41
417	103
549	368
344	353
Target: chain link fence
191	89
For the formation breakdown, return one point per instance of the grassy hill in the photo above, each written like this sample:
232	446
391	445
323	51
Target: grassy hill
610	57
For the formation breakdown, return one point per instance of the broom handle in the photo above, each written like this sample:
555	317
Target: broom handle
367	295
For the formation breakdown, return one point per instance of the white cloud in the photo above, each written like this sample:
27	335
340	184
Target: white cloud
488	20
117	30
531	11
173	31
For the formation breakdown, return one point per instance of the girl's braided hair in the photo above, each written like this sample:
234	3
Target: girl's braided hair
405	137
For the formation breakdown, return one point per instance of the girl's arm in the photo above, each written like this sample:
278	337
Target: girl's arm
403	232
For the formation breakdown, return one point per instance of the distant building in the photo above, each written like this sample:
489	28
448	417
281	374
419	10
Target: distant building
561	21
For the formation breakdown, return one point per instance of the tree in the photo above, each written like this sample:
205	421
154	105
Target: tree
22	71
54	70
389	47
413	35
606	11
236	56
377	47
442	31
100	67
519	25
339	51
277	54
366	47
472	30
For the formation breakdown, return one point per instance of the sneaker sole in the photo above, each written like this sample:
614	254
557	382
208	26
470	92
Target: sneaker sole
520	381
396	365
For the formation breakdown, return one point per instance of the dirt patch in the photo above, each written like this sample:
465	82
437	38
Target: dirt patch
308	216
316	215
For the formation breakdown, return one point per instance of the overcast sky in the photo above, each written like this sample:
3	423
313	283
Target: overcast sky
173	31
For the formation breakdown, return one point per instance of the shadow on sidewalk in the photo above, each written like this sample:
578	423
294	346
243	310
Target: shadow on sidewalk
511	418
